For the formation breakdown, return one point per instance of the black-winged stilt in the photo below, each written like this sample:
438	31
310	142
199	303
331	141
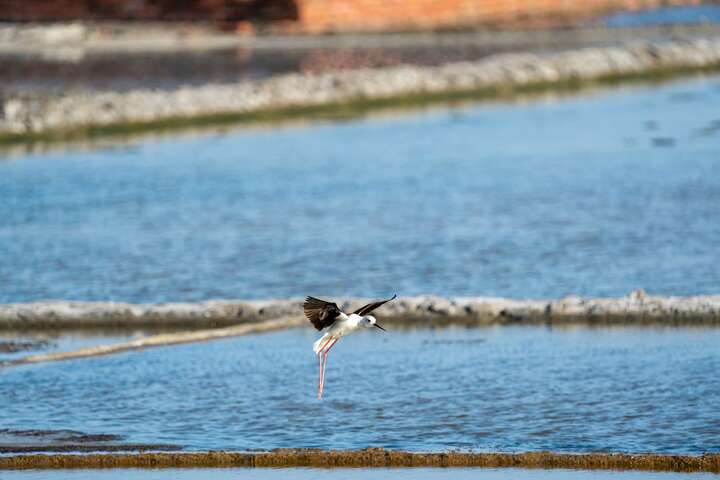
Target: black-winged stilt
327	315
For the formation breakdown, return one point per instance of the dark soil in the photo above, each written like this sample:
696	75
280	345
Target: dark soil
36	441
14	347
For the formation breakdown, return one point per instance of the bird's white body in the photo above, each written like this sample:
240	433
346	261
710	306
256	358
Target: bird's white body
344	325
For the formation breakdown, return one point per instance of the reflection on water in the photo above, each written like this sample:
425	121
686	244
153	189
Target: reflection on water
529	200
496	389
350	474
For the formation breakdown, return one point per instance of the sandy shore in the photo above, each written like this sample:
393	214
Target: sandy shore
637	308
378	458
64	115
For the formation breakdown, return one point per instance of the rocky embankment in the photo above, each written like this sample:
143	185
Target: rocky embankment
35	114
636	309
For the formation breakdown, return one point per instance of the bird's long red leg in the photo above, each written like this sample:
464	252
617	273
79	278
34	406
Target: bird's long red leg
327	350
321	385
321	359
324	352
321	381
320	373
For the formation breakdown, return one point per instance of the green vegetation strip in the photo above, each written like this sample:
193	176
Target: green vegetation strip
370	458
352	108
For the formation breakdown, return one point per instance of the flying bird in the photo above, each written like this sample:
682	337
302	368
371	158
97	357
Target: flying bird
336	323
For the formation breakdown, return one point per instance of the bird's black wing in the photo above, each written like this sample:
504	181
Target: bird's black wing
321	313
372	306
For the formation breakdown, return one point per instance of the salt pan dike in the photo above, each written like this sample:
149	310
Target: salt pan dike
213	320
61	115
637	308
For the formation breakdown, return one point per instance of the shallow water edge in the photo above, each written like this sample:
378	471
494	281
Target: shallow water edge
374	458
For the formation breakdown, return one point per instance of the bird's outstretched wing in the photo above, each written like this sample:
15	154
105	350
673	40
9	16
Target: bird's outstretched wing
321	313
372	306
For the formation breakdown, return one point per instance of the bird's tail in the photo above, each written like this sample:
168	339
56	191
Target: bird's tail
320	343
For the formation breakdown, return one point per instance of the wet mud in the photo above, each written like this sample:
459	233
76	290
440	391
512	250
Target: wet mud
130	447
367	459
59	435
50	441
22	346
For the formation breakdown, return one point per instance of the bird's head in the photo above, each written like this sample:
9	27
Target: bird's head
369	321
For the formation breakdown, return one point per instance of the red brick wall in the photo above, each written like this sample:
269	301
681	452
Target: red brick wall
373	15
314	16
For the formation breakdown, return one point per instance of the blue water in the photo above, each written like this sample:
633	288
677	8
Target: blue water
494	389
594	195
679	15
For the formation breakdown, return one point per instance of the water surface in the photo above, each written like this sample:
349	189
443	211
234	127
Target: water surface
592	195
677	15
497	389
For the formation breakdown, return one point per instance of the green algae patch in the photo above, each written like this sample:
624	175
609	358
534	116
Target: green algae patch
369	458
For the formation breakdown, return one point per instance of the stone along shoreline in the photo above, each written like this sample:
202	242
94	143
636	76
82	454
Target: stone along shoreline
36	116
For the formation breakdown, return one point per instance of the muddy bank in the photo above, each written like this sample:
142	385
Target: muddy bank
22	346
638	308
368	458
90	447
58	115
32	441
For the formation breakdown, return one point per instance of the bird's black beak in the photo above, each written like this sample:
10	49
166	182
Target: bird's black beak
378	326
